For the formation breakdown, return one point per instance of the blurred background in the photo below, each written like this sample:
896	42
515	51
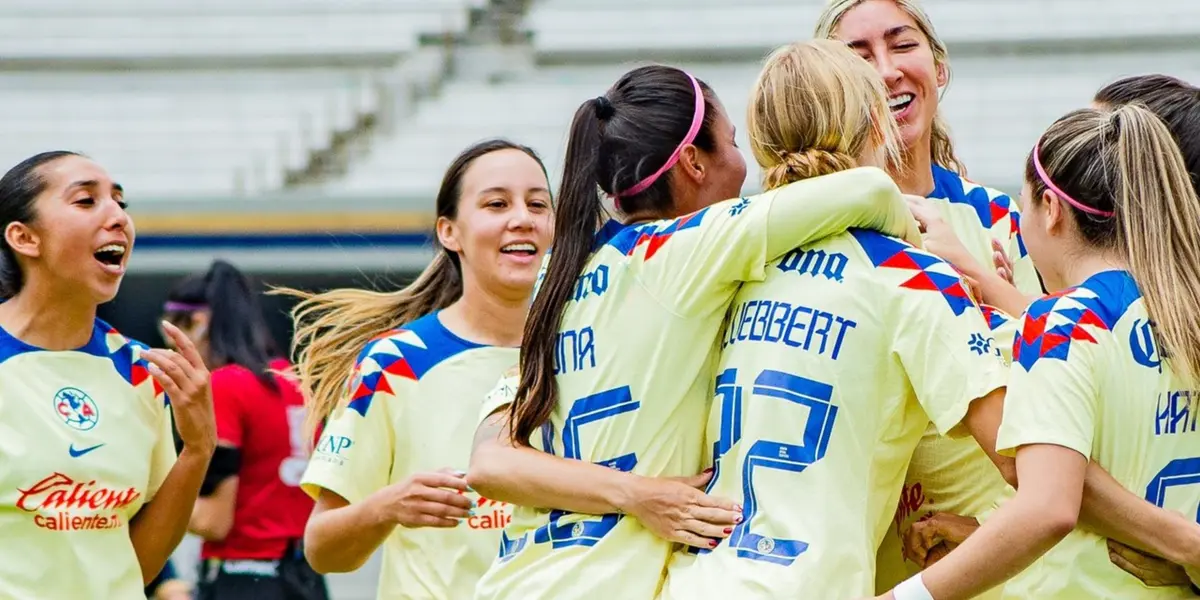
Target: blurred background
303	140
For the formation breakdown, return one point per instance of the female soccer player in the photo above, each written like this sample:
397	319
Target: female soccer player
616	360
833	364
251	512
1104	366
91	492
897	37
387	468
1177	103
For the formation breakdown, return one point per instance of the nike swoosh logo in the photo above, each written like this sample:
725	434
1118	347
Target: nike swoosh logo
77	453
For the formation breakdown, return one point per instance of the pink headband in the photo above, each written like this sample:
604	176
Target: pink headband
183	307
1037	165
697	121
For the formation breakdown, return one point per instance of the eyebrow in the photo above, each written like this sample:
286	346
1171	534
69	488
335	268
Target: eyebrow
891	33
94	183
493	190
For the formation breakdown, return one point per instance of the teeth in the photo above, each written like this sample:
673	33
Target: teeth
519	248
900	100
115	248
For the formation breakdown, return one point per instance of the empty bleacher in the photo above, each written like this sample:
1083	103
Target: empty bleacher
1017	65
219	98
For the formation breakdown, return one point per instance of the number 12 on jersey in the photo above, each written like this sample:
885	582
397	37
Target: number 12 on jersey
791	456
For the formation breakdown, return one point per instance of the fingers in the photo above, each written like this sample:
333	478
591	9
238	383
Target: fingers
717	517
185	345
698	481
919	538
167	372
707	529
442	479
690	539
705	501
433	508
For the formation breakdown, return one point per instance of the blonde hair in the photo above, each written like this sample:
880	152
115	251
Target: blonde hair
1124	163
941	146
814	109
333	328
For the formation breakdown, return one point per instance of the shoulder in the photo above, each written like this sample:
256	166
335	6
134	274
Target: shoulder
990	205
1056	325
126	356
913	272
412	350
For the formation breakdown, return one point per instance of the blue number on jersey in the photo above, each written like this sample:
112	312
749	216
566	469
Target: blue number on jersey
1181	471
587	410
767	454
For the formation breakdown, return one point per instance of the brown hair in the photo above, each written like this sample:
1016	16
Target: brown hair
332	328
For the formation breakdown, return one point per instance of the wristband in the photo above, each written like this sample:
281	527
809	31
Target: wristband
912	589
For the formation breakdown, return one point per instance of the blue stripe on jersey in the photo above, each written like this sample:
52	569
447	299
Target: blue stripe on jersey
106	342
627	238
409	351
1052	323
889	252
949	185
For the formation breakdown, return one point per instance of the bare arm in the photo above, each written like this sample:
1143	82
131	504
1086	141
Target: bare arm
160	525
1108	508
212	517
340	537
674	509
1043	512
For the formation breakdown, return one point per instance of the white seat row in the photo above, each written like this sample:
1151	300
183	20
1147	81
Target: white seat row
996	107
632	27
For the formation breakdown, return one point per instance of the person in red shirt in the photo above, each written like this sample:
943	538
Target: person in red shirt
251	512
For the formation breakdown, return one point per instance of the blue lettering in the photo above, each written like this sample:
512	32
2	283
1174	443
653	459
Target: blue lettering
334	444
1141	345
782	322
815	263
593	283
575	350
1175	413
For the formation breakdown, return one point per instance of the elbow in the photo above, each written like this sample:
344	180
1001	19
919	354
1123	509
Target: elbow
486	472
1059	520
323	558
1008	470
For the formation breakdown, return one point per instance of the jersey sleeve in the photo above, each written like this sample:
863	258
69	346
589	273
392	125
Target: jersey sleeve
353	456
947	352
502	394
734	240
1004	330
163	454
226	391
1051	392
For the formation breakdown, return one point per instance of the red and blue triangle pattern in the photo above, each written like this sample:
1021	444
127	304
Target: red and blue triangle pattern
928	272
651	235
1054	323
990	206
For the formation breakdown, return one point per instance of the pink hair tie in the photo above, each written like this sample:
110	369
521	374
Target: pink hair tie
697	121
1037	165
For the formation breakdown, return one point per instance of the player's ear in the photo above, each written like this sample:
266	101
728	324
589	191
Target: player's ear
447	234
23	239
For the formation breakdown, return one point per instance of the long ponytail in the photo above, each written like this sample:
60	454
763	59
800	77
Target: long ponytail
577	218
1159	214
333	327
1131	193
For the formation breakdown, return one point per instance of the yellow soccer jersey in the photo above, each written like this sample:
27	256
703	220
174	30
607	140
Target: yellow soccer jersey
635	359
85	442
946	474
413	406
1087	375
831	369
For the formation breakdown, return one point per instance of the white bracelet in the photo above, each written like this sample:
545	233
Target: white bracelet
912	588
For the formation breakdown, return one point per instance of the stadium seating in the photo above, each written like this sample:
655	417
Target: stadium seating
225	98
1016	67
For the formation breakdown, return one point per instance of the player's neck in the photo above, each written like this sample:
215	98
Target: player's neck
1080	266
46	319
486	318
916	177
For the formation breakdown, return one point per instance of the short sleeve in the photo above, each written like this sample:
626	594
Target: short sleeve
1051	396
947	352
227	385
162	458
732	241
503	394
353	456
